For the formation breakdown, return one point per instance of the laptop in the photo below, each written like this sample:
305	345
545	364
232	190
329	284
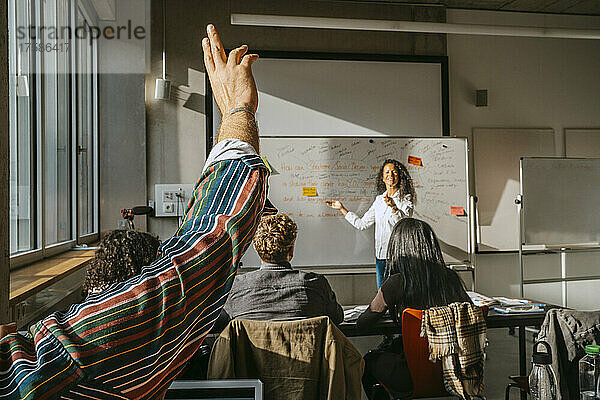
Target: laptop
236	389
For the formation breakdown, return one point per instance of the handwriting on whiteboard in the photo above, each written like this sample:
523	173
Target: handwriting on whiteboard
346	169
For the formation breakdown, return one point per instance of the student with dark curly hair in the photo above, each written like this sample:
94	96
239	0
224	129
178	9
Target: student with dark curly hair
394	203
276	291
121	254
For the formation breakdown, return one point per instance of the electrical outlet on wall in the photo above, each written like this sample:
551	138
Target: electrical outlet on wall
170	200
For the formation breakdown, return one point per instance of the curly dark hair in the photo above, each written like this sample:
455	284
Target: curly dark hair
275	237
405	182
121	254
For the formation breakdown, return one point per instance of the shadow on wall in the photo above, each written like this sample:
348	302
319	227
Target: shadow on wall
176	140
163	136
195	102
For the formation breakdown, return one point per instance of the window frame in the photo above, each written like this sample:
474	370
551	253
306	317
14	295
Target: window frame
14	115
87	238
40	249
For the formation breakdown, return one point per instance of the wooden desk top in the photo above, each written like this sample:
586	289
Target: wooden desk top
29	280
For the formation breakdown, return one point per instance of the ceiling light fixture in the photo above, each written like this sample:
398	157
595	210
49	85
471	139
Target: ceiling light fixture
162	91
287	21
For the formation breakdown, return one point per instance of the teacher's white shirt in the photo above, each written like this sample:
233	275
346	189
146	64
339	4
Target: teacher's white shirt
384	219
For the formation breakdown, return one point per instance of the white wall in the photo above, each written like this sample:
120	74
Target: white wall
122	117
531	83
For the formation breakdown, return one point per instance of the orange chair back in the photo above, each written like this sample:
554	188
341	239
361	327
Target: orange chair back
426	375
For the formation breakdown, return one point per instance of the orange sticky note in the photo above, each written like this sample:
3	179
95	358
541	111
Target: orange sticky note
459	211
415	161
309	191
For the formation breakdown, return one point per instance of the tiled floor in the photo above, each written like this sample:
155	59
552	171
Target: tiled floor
502	360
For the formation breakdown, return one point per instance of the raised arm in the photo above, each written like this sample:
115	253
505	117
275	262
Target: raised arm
233	87
132	340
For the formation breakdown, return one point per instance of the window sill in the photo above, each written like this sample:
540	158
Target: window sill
27	281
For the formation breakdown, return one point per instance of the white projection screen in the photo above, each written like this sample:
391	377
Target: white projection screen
325	98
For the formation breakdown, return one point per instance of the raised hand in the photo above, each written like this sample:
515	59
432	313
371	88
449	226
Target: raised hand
230	77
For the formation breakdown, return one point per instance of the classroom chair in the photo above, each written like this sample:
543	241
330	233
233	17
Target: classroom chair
301	359
426	375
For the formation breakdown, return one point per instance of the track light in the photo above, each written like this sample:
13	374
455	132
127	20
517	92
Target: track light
162	90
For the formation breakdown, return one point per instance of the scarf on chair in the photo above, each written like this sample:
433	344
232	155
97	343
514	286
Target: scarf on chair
456	334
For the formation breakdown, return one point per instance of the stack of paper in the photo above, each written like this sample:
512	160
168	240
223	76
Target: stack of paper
480	300
512	306
506	305
523	308
506	301
353	313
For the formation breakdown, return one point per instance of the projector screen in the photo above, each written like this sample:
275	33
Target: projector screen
332	97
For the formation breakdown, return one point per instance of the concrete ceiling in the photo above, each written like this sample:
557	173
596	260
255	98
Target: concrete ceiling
579	7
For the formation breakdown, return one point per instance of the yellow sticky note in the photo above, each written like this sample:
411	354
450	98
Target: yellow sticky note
267	163
309	191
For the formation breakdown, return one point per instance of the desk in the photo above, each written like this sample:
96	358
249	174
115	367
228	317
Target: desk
493	320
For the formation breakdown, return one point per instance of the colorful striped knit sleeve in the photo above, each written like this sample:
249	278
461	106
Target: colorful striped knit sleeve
130	341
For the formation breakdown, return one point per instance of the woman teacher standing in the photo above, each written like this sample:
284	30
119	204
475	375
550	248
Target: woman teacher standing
394	203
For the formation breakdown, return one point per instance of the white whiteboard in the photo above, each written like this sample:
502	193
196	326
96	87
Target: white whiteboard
347	98
560	200
345	168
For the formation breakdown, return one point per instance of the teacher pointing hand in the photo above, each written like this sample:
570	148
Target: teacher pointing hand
394	203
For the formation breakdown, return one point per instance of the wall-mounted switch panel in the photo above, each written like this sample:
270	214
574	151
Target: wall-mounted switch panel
172	199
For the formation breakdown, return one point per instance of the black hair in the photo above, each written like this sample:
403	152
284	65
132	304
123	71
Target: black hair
121	255
414	253
405	183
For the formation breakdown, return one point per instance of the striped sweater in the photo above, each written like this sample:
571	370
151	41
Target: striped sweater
130	341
